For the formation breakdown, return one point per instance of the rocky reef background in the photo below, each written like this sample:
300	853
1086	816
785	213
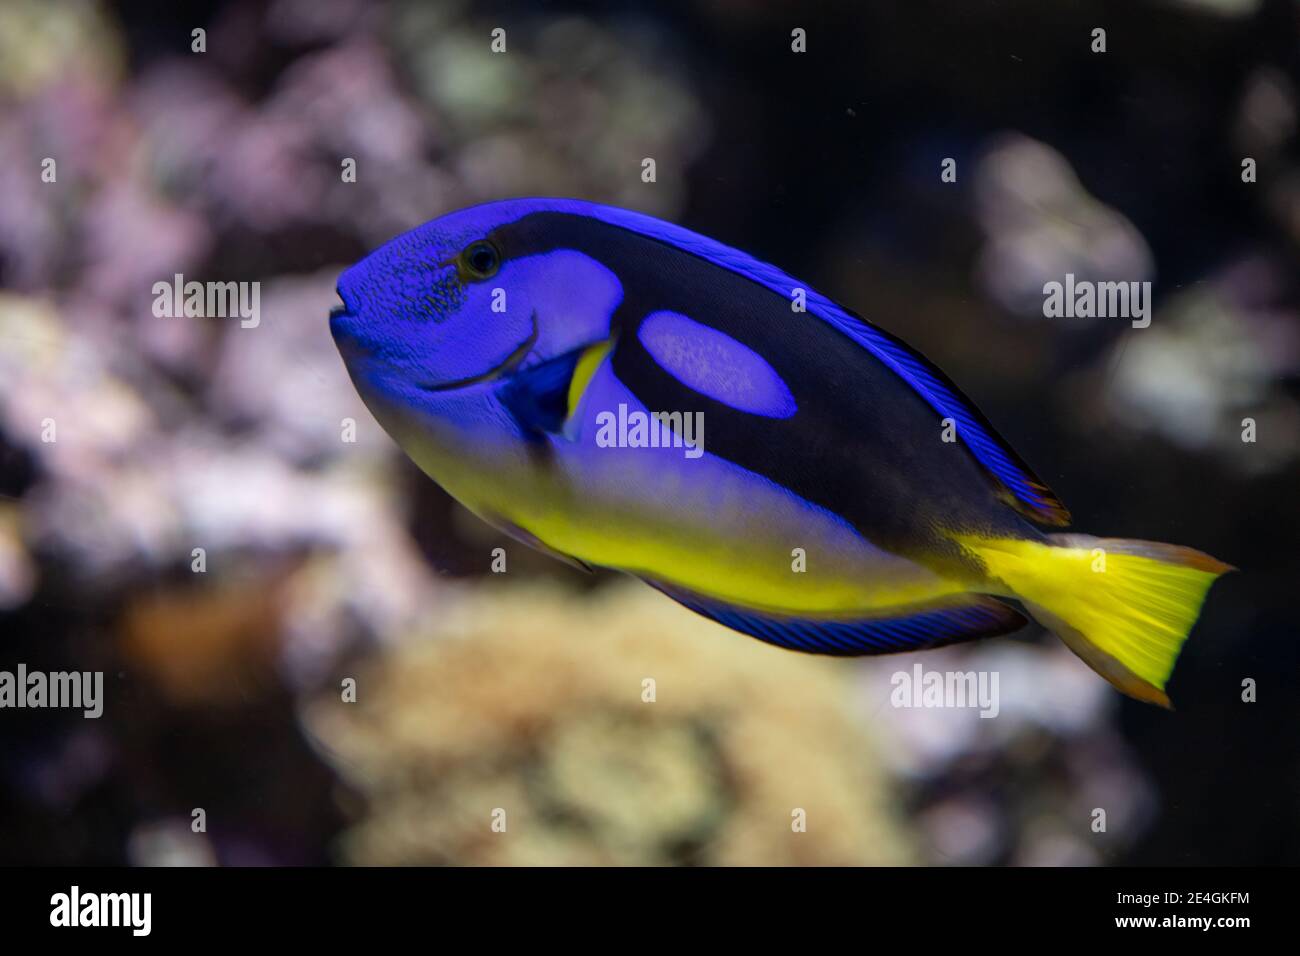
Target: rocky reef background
328	560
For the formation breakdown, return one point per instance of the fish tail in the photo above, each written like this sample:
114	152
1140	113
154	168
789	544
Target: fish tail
1125	607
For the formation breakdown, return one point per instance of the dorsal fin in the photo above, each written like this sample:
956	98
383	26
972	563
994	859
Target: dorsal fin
1028	494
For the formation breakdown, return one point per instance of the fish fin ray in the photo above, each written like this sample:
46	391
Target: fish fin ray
918	627
1125	607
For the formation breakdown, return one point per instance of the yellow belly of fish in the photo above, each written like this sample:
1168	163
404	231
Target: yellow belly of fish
737	540
758	573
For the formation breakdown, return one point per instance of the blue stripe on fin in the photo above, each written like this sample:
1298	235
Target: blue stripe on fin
967	618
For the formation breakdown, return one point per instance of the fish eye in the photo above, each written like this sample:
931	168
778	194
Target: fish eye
480	260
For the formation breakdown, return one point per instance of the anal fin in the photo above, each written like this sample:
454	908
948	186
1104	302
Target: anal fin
967	617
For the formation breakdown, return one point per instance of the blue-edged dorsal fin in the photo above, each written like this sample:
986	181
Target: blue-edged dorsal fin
967	617
1027	493
1024	491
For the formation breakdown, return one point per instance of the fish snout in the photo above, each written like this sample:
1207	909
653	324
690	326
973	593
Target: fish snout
343	317
348	289
341	324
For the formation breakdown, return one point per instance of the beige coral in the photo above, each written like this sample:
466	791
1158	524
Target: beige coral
530	700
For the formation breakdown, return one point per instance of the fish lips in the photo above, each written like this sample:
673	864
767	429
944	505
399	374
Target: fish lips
339	316
343	329
511	363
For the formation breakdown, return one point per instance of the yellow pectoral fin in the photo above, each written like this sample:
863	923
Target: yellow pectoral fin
588	362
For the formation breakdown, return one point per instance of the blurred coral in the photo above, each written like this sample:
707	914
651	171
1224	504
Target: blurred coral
529	700
1211	372
1020	786
17	569
1041	224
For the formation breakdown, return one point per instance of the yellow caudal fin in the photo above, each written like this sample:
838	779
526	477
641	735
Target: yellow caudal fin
1125	607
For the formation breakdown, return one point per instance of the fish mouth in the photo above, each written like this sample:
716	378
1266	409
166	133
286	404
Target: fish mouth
512	362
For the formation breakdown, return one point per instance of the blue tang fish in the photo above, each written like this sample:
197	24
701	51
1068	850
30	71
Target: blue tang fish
621	392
